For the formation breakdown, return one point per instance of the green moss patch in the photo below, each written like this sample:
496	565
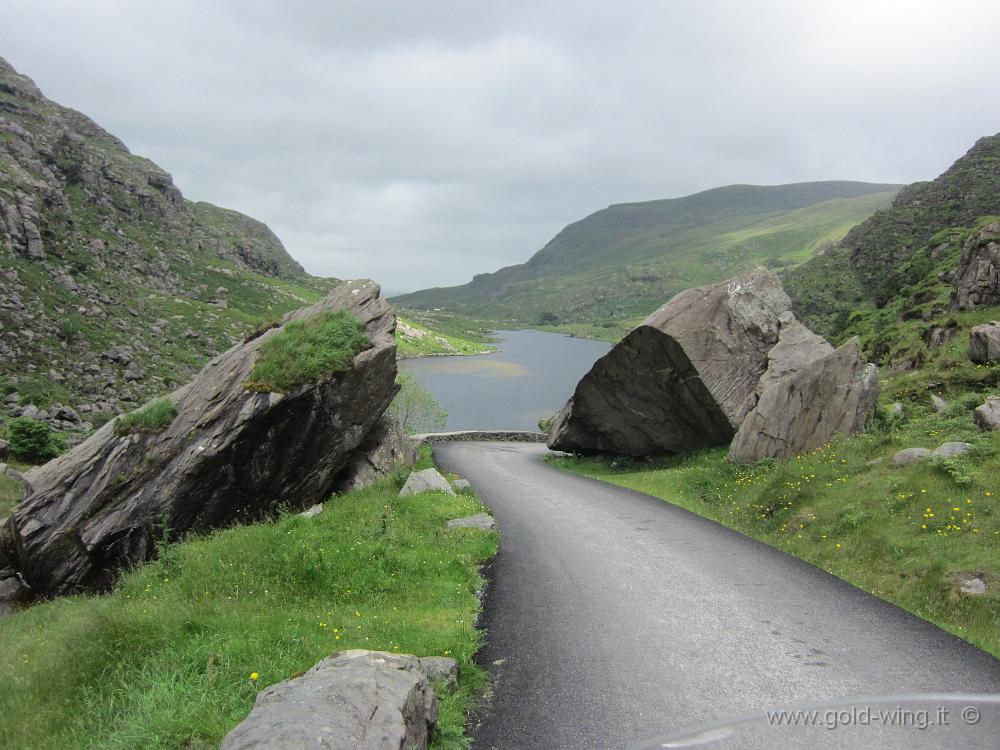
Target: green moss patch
307	351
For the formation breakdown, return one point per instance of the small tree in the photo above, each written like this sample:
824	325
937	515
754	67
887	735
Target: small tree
33	441
415	408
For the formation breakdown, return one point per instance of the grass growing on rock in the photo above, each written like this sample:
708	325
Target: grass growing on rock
910	534
156	415
305	351
165	661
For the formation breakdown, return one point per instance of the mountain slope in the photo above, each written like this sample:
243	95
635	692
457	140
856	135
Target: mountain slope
626	259
870	267
113	287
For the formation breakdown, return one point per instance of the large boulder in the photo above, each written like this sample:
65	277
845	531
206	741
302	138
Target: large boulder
802	411
987	415
977	279
984	343
231	454
682	380
354	700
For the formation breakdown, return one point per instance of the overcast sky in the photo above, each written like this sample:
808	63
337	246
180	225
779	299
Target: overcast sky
422	142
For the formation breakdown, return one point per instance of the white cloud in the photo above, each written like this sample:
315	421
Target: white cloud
420	143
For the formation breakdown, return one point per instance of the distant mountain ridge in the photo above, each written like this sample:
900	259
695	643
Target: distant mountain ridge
627	258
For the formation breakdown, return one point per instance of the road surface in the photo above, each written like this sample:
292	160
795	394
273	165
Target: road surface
613	617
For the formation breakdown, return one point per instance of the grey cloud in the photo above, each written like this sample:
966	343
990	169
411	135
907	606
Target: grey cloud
423	142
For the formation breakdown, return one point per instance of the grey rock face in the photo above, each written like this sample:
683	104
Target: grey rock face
461	484
950	450
363	700
797	347
987	415
910	456
682	380
801	412
386	449
428	480
482	521
229	455
977	280
984	343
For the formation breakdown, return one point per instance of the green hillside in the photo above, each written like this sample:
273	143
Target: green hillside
879	258
627	259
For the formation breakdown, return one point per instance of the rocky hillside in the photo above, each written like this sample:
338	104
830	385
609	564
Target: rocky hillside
625	260
880	258
113	286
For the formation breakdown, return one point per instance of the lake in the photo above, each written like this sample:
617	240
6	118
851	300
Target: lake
529	377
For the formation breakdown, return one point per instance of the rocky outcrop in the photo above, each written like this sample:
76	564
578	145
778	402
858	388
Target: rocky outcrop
682	380
984	343
354	700
230	455
833	394
977	280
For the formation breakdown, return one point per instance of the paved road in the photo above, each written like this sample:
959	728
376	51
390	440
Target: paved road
613	617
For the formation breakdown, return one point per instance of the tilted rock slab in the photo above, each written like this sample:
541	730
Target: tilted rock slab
354	700
684	379
802	411
230	455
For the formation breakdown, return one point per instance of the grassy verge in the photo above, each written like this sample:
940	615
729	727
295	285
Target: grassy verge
417	340
165	661
910	535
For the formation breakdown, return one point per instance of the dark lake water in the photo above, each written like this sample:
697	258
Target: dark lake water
529	377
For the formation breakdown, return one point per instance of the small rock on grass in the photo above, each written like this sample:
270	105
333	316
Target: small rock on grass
950	450
973	587
313	511
910	456
938	403
482	521
461	484
428	480
987	416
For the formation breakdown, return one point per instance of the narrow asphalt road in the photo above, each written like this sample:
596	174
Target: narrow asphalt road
613	617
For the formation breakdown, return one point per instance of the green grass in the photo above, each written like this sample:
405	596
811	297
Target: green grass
165	660
416	340
870	525
10	489
156	415
307	351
